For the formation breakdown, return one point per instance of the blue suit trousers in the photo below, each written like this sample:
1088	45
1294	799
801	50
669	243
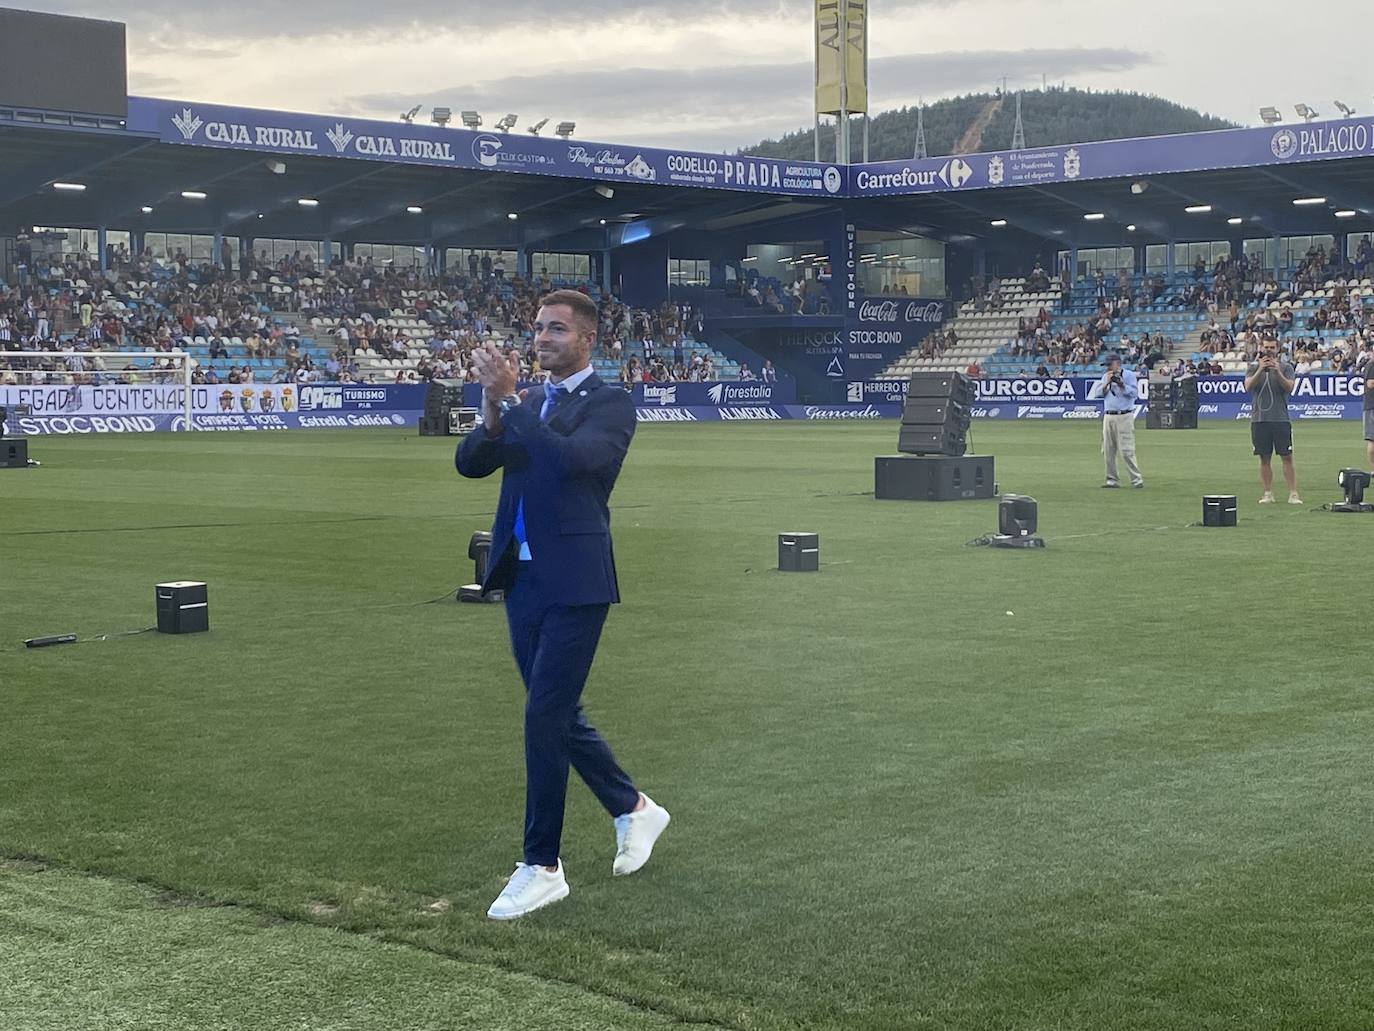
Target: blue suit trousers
554	646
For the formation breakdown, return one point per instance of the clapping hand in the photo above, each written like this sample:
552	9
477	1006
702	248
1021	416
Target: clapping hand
495	371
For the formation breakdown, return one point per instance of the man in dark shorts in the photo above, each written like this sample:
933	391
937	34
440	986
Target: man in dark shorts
1270	381
1369	409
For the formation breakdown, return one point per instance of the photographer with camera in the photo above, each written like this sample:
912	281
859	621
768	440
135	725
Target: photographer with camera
1270	380
1117	390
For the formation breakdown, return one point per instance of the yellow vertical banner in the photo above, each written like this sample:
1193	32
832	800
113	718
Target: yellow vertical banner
829	65
856	56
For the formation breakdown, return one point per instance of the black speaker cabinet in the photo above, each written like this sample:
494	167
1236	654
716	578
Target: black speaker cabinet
434	426
952	385
1218	510
799	552
935	439
14	453
1170	420
182	607
933	477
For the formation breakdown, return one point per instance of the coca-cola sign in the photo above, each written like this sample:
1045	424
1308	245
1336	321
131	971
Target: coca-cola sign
897	311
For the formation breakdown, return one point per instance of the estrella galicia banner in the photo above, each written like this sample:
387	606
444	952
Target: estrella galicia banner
1187	152
280	132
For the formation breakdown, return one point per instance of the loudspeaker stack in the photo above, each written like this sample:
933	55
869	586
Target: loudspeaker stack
1173	404
936	418
443	396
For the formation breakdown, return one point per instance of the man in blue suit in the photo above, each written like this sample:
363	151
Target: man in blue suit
560	448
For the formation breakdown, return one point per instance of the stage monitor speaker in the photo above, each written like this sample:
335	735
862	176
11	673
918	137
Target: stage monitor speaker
953	385
14	453
183	607
1170	419
946	440
933	477
1218	510
799	552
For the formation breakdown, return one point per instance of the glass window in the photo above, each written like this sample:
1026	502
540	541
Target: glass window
689	272
900	265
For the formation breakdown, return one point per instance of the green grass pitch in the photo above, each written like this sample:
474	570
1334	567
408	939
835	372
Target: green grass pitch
1120	783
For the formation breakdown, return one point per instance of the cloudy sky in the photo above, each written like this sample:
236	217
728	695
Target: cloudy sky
712	75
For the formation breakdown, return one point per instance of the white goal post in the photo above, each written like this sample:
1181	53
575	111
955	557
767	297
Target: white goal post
31	369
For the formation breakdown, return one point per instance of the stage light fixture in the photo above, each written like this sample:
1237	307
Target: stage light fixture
1270	115
1018	517
1353	482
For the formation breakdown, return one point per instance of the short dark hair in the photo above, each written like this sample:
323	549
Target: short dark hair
1111	358
583	308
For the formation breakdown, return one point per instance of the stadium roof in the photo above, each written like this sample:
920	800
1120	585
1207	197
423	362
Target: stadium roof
366	174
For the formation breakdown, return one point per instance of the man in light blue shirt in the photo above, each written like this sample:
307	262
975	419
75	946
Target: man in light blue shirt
1117	390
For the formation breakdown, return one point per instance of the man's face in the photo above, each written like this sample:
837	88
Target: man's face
1270	350
563	345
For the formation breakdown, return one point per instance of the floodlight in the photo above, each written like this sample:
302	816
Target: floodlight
1017	518
471	119
566	129
441	116
1139	186
1353	482
409	116
534	129
1345	109
1270	115
507	123
1305	112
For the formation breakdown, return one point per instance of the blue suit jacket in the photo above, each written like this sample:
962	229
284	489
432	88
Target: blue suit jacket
564	469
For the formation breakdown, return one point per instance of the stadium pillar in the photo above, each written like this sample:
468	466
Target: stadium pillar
605	272
217	252
1073	262
1138	258
1169	262
135	242
101	240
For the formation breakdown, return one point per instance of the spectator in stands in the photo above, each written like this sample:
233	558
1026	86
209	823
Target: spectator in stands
768	374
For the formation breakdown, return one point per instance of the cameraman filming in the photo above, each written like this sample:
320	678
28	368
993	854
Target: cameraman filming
1270	381
1117	390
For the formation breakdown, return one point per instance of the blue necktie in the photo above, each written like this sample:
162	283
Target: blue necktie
551	393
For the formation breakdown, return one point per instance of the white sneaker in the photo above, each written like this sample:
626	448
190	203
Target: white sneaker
635	834
529	888
1293	499
1267	498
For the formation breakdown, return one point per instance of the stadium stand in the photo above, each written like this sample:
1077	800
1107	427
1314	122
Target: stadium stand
293	321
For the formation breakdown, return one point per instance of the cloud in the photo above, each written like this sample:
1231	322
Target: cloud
733	105
248	18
